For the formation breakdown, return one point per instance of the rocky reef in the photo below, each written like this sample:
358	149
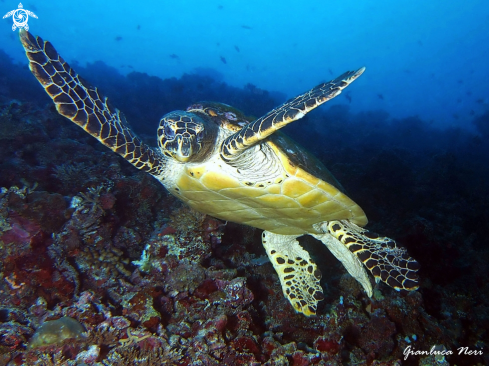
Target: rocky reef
89	243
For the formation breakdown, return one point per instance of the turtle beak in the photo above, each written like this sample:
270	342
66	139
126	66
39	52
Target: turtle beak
184	149
181	148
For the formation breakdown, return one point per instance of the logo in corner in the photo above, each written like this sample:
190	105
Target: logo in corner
20	17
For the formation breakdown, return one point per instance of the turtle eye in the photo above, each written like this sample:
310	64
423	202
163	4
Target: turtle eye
169	132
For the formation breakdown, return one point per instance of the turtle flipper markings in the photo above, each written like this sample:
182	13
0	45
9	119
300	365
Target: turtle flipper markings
78	101
299	275
288	112
385	260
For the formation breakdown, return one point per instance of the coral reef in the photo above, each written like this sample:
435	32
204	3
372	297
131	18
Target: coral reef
84	236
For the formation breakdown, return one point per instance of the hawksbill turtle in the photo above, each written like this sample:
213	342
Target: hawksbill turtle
222	164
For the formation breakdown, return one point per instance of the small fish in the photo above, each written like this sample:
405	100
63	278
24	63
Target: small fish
244	26
420	43
469	93
139	27
174	56
460	81
456	116
348	96
223	60
330	71
480	101
118	38
220	7
236	48
380	96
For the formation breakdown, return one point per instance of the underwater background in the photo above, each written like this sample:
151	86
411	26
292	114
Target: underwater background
408	141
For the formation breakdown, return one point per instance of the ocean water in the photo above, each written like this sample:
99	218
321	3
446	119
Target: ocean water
85	234
422	58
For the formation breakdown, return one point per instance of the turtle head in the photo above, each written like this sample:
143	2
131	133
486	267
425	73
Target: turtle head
185	136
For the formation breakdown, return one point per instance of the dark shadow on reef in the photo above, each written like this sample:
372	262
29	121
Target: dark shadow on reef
75	218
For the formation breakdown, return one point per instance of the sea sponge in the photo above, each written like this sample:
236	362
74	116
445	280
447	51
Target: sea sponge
56	331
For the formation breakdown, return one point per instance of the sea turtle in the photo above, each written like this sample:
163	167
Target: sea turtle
222	164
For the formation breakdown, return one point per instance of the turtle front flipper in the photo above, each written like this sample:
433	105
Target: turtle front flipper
288	112
299	275
385	260
76	100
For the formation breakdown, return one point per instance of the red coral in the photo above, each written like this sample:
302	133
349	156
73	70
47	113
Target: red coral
299	358
107	201
140	304
268	344
21	233
221	322
236	291
206	288
323	344
239	359
167	230
245	344
377	336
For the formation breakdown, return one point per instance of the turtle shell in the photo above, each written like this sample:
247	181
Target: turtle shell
303	195
225	116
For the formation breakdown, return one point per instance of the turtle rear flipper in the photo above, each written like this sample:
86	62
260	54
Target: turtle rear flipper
76	100
288	112
299	275
385	260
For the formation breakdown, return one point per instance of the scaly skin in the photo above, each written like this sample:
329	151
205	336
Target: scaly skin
78	101
288	112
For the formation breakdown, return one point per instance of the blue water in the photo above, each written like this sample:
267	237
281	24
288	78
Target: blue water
425	58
